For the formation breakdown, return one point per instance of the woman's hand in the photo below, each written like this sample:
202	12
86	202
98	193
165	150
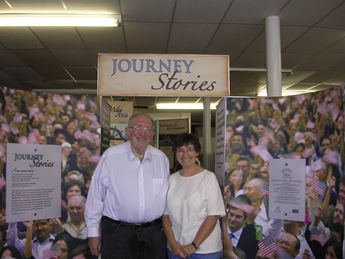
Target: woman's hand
190	249
178	250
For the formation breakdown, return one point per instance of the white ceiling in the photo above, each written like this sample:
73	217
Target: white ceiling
312	40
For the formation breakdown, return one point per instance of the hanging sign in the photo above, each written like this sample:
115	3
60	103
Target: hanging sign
120	111
163	75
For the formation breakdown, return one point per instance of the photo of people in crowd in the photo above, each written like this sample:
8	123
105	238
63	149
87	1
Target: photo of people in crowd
307	126
71	121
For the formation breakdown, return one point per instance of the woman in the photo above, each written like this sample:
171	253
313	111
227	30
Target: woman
236	182
334	250
10	252
194	205
59	249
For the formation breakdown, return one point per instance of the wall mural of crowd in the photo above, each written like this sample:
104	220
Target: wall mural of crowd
308	126
71	121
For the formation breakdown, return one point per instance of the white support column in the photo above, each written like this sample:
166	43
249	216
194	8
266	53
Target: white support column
273	56
206	130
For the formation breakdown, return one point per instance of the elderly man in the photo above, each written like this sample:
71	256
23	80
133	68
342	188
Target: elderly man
270	227
127	197
290	246
297	228
75	224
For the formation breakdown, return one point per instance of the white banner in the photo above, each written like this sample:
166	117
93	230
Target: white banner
163	75
33	183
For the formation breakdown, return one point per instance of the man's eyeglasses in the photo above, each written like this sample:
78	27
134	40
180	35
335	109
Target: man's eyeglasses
138	128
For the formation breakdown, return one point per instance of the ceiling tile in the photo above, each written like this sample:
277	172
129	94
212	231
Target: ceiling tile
8	59
102	38
293	61
62	84
75	57
322	87
148	10
22	73
51	72
40	84
246	83
83	73
290	33
321	77
59	38
7	80
335	19
151	36
190	36
200	11
338	66
337	80
36	5
312	43
296	77
337	47
106	6
18	38
321	62
253	12
301	86
234	37
306	12
36	56
251	60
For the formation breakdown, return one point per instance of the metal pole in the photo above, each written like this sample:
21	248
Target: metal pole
273	56
207	151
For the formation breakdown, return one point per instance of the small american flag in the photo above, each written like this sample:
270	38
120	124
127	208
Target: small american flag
267	246
317	235
318	186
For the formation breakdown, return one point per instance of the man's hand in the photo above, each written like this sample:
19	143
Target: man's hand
95	245
306	254
28	224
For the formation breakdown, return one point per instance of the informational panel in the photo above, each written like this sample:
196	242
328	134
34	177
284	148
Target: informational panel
33	187
173	126
122	74
287	189
105	125
220	142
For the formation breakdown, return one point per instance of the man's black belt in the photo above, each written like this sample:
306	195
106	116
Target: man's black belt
114	222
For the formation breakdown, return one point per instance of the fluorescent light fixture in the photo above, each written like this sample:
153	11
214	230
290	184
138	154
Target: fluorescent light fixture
67	91
183	106
263	93
78	20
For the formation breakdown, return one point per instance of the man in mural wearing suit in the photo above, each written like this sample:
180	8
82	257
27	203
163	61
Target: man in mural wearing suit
241	230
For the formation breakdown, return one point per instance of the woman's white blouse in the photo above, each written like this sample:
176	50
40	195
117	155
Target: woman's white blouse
189	201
